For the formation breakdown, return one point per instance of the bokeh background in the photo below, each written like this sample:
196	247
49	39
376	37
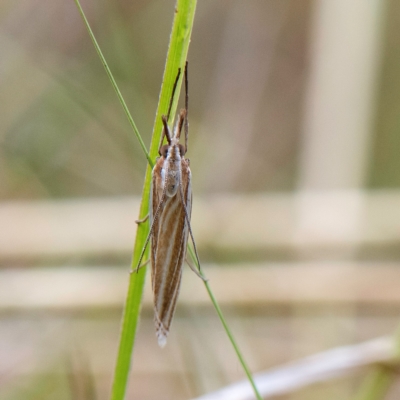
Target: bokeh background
294	149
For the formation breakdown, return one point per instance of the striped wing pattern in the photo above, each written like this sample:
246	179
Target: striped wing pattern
168	247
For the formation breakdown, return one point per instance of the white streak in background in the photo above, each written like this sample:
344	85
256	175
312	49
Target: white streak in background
339	108
339	113
320	367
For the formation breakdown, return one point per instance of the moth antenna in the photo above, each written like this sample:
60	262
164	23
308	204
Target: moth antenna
190	228
162	140
186	107
171	100
160	204
166	130
182	116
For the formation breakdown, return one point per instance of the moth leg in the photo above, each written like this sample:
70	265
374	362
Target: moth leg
189	226
140	266
194	269
140	221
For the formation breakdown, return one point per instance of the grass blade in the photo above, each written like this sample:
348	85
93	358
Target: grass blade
176	58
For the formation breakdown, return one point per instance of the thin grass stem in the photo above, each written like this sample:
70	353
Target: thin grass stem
114	83
226	327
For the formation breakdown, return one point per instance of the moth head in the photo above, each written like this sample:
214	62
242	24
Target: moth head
173	149
166	149
181	149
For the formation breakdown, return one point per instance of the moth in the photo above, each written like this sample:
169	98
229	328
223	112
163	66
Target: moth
170	212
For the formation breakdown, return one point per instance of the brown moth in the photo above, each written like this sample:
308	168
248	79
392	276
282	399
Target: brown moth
170	212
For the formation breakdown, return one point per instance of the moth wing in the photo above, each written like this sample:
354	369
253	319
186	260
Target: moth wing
155	198
189	194
170	255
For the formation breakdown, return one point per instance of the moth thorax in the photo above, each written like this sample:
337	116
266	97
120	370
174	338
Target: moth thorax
172	164
172	183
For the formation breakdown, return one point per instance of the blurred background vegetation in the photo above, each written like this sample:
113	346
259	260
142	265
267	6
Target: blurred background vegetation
281	182
65	135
